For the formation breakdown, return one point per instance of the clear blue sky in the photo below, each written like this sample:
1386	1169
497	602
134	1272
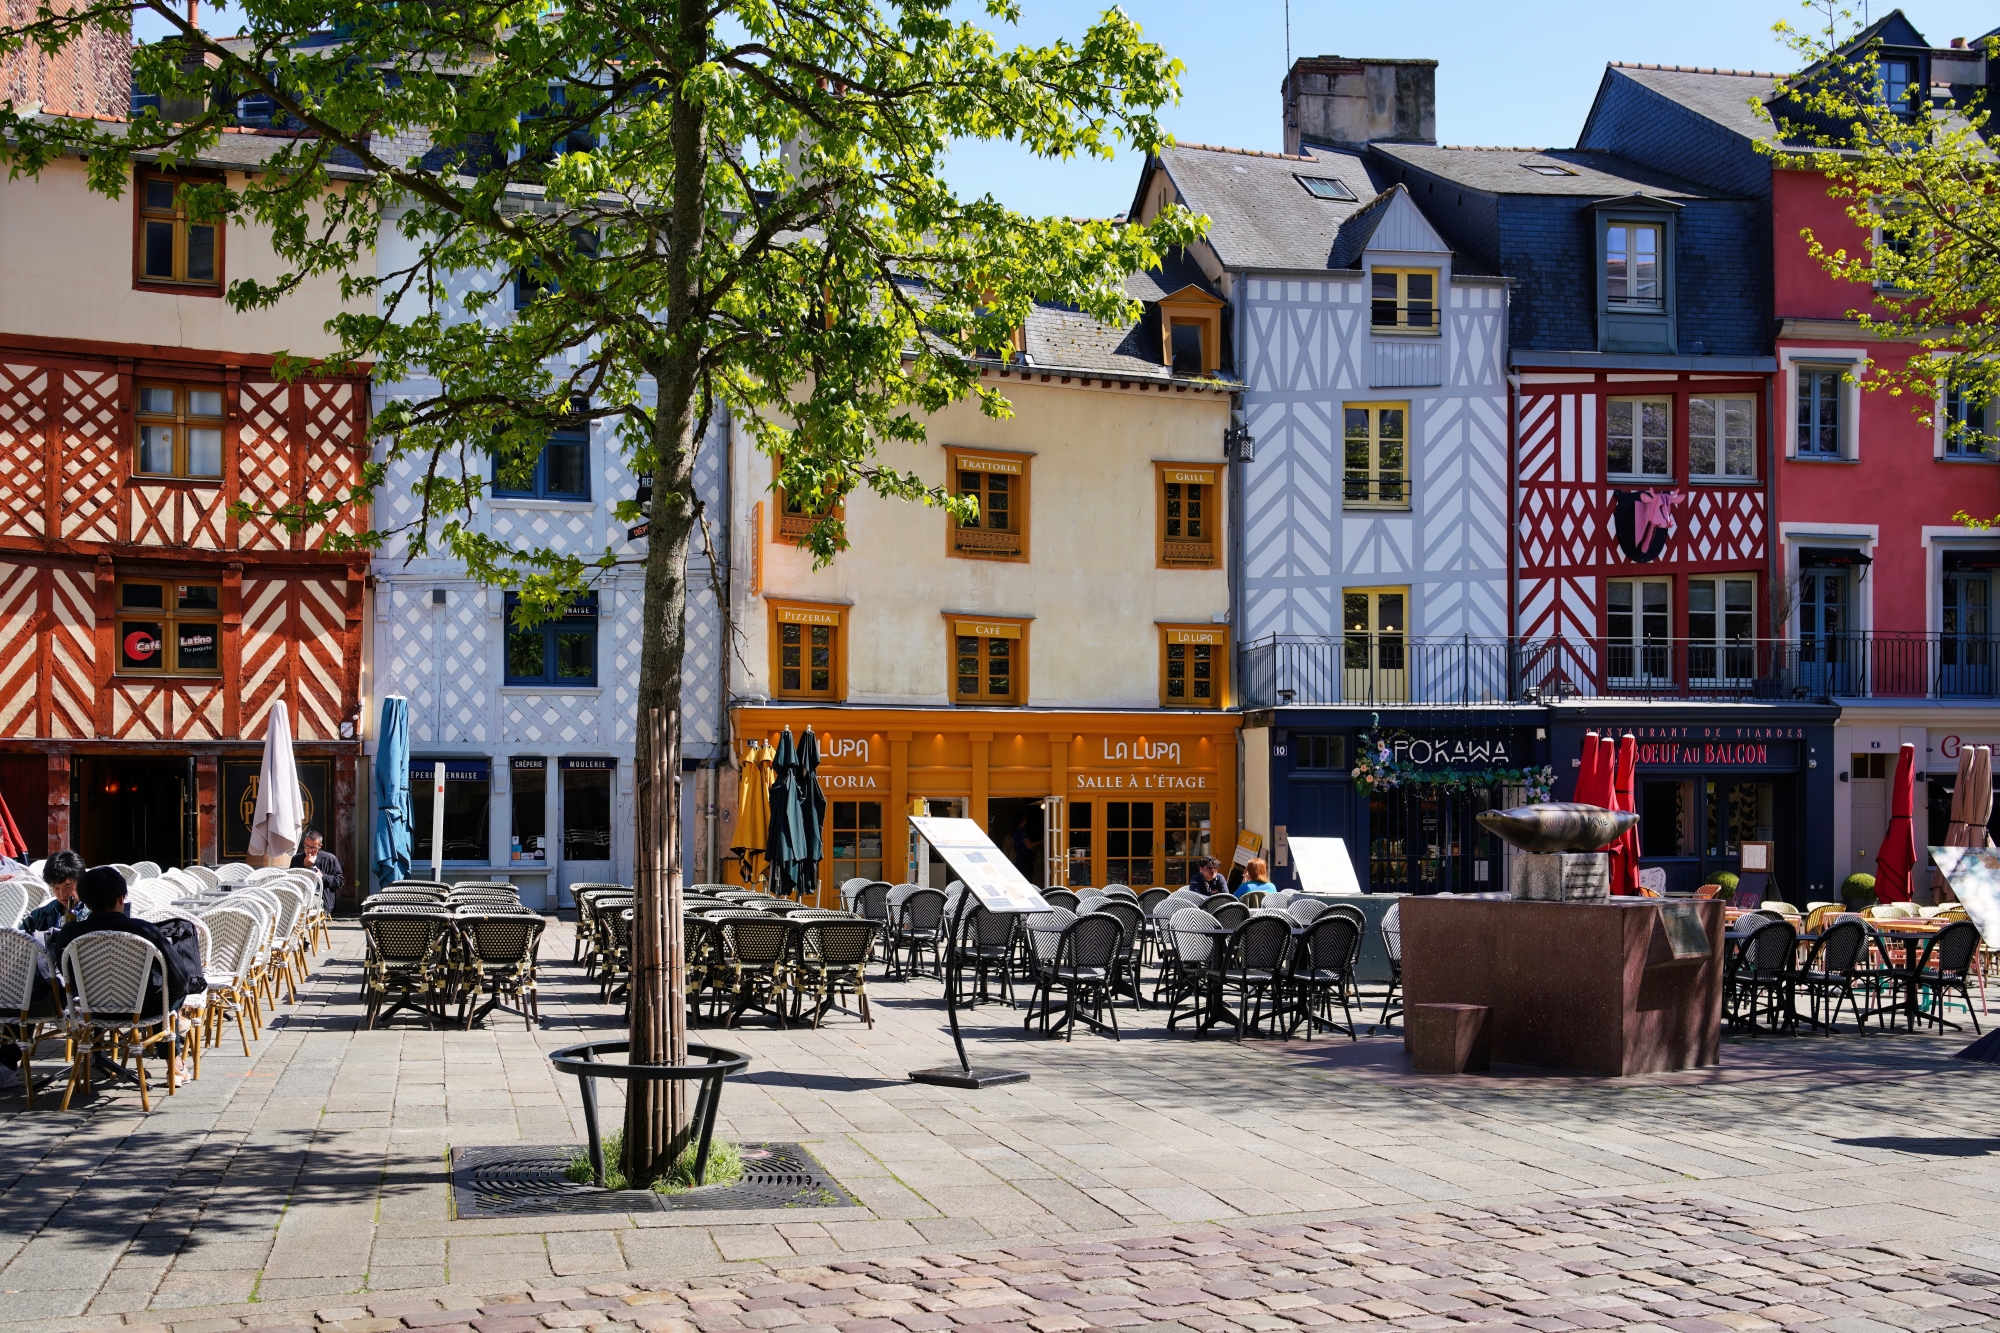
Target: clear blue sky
1508	73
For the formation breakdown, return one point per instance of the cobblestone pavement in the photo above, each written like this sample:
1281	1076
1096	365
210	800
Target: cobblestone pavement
1847	1184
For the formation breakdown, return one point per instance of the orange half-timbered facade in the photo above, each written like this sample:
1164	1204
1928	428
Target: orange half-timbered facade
147	627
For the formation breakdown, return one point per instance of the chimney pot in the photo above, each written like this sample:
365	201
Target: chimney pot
1958	43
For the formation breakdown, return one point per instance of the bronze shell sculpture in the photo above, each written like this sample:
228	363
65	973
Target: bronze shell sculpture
1558	826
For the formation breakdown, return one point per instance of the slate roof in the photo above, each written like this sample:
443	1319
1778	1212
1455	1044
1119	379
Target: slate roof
1354	235
1259	215
239	150
1063	338
1598	175
1719	95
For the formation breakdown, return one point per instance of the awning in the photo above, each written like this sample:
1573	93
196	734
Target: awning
1823	557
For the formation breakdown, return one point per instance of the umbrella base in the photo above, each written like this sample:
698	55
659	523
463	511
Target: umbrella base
978	1076
1986	1050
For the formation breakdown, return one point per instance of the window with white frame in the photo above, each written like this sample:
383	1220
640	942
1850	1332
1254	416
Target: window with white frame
1722	628
1722	438
1632	265
1821	389
1638	437
1638	629
1968	425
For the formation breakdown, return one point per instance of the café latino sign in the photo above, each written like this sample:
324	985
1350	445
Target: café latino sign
1718	747
1138	765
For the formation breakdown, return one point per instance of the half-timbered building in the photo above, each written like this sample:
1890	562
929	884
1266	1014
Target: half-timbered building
146	629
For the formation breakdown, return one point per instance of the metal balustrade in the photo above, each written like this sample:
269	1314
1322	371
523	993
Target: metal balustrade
1402	669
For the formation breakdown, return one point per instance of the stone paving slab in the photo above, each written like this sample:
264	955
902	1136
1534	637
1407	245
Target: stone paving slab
310	1176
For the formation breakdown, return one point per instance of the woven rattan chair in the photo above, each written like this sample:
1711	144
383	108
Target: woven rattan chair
108	975
29	1013
1084	965
1305	911
1392	944
1063	898
232	933
1759	985
1945	967
757	947
13	906
1251	969
986	946
1125	975
832	959
405	963
1212	901
1184	966
916	928
1829	972
499	958
1322	972
614	951
1228	911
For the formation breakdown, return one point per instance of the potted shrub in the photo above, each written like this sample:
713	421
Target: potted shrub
1858	891
1727	879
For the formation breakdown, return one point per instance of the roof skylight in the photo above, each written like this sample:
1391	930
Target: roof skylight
1325	187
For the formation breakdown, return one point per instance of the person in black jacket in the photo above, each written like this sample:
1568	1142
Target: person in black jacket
103	892
60	874
312	857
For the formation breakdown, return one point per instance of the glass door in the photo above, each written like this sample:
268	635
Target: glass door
585	811
1965	645
1375	666
1825	662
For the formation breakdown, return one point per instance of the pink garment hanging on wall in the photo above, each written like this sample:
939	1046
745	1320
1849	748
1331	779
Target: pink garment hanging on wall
1654	510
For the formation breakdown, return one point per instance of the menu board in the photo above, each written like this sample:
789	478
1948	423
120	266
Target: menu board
980	866
1322	866
1974	875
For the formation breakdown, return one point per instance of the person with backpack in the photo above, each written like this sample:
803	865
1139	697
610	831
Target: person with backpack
103	892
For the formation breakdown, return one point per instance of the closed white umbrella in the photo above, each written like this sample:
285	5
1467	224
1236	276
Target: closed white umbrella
276	822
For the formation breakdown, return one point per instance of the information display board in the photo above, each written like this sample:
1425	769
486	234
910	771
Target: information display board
980	866
1974	876
1323	866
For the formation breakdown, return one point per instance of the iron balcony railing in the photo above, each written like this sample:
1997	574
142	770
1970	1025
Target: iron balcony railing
1378	669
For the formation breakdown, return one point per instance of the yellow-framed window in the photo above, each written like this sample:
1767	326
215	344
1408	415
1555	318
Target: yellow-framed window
172	248
794	520
179	431
1194	666
808	651
1403	300
1375	437
989	661
1189	504
169	628
998	484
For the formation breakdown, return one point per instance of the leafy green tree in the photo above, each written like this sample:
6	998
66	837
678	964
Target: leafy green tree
726	206
1922	186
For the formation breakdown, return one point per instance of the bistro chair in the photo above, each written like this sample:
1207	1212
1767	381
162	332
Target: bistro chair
1322	971
1084	965
13	906
1125	980
232	934
1392	944
109	976
917	927
756	945
499	953
614	955
832	958
1946	966
1828	973
26	1008
1760	985
1184	967
1228	911
405	960
1251	969
986	946
1305	911
1214	900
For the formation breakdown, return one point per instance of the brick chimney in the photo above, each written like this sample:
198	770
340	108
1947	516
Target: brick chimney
1345	102
92	76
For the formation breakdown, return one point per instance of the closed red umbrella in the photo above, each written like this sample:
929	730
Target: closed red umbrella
1625	857
1586	775
1898	854
11	842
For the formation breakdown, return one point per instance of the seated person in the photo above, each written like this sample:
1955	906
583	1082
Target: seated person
103	892
1256	878
60	874
312	856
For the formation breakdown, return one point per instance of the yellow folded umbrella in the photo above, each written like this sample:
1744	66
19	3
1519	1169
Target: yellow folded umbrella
753	809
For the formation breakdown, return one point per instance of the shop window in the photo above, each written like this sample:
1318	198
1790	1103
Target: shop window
468	797
1377	460
1189	531
1194	666
560	652
561	471
1722	630
808	651
1632	266
998	483
175	251
1080	843
1739	812
1722	439
1187	839
1129	835
1638	629
1375	644
586	809
527	836
1318	751
989	661
1403	300
855	845
180	431
1638	440
1868	766
1666	819
1968	429
168	628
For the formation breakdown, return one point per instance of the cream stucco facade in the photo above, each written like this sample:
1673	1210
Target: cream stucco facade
1091	590
66	260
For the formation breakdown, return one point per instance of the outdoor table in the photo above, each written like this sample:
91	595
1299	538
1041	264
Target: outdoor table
1213	1010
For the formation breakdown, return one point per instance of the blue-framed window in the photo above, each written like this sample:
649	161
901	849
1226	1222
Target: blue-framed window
560	652
534	281
561	472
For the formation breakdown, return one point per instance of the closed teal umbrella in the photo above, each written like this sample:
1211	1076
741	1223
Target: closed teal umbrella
812	815
391	848
786	840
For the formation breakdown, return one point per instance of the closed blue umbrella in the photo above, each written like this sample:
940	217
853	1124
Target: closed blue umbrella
787	836
391	849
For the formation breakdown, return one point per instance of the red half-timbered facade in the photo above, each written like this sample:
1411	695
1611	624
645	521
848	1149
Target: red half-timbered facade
96	559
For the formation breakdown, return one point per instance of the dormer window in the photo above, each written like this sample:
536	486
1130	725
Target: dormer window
1325	187
1403	300
1897	76
1191	332
1632	266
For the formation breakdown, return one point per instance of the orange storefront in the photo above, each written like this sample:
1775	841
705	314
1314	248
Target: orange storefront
1074	797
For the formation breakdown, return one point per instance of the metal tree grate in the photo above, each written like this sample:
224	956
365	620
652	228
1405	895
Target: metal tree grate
523	1181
